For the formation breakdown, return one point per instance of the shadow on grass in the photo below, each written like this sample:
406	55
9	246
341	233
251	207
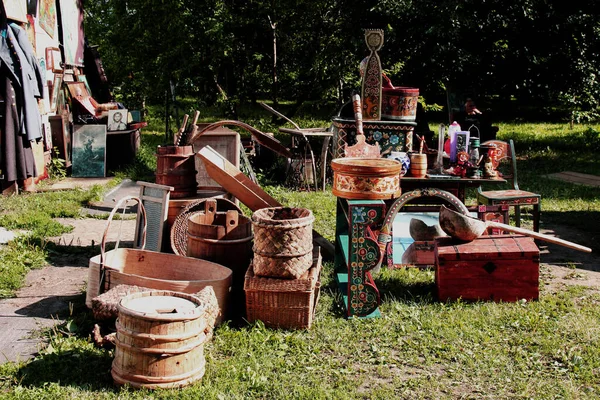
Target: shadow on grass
580	227
83	368
407	285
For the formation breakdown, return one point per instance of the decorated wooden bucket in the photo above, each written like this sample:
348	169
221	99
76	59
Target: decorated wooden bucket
399	103
366	178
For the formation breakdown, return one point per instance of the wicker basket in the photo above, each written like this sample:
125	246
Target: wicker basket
282	242
284	303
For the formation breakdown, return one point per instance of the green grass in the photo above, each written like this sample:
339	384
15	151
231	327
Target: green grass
418	349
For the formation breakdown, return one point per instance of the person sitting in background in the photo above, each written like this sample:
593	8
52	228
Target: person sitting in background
476	122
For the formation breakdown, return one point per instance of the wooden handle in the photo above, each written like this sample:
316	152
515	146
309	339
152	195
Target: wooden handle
540	236
356	105
231	220
210	210
181	130
195	120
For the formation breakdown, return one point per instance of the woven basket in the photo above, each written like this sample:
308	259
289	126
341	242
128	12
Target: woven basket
284	303
282	241
105	306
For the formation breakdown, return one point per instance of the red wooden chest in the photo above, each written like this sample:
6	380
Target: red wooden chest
497	268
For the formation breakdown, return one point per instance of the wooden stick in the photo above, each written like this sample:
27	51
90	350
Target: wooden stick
177	140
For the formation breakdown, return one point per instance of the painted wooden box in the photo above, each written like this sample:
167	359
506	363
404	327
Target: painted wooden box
497	268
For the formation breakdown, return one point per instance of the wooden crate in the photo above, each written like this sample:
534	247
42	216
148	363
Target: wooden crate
284	303
226	142
497	268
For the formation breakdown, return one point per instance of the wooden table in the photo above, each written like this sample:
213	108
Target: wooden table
308	134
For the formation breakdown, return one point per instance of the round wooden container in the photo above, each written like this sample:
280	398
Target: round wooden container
418	165
399	103
175	166
224	238
366	178
160	340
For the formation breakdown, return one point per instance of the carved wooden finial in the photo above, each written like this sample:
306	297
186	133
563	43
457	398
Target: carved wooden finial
374	39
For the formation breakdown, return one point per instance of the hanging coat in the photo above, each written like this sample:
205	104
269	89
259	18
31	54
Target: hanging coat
24	78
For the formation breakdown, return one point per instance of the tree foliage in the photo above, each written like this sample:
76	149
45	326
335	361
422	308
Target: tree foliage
540	52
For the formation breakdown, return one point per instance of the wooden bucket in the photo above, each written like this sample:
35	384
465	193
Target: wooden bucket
221	237
160	340
175	166
418	165
176	206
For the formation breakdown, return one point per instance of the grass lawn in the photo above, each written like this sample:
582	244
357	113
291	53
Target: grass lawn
419	349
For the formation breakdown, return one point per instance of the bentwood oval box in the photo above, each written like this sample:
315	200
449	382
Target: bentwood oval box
496	267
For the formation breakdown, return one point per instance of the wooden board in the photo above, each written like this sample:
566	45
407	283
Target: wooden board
224	141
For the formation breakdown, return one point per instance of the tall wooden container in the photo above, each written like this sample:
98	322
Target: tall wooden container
160	340
175	167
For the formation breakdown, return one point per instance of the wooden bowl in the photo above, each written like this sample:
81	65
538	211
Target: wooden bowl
366	178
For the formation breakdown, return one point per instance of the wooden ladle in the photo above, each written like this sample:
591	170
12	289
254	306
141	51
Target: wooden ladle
467	228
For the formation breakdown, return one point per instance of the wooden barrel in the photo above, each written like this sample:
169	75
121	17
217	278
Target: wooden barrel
224	238
160	340
418	165
175	166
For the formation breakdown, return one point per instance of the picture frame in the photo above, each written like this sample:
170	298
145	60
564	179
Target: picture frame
54	91
77	89
82	78
89	151
53	59
117	120
462	141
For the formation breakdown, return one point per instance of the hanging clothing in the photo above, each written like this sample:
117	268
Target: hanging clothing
16	154
16	95
27	77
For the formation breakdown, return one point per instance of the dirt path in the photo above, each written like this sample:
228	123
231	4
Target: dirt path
44	299
48	291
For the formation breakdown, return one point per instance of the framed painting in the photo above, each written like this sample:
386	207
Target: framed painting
55	91
89	151
16	10
53	59
82	78
47	16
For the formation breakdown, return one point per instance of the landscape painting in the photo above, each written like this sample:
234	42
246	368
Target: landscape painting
89	151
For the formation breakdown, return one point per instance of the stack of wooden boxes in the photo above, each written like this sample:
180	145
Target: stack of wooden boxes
282	283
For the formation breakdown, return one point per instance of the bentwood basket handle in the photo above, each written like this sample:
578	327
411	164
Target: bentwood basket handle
122	203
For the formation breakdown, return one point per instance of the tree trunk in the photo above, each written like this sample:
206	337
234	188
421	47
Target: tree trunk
275	88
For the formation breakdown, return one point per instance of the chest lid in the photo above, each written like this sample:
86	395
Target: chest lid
499	247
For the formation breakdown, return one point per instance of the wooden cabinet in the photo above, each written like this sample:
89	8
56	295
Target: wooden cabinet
61	136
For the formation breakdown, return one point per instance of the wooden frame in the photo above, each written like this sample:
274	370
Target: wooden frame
53	59
56	87
224	141
155	199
